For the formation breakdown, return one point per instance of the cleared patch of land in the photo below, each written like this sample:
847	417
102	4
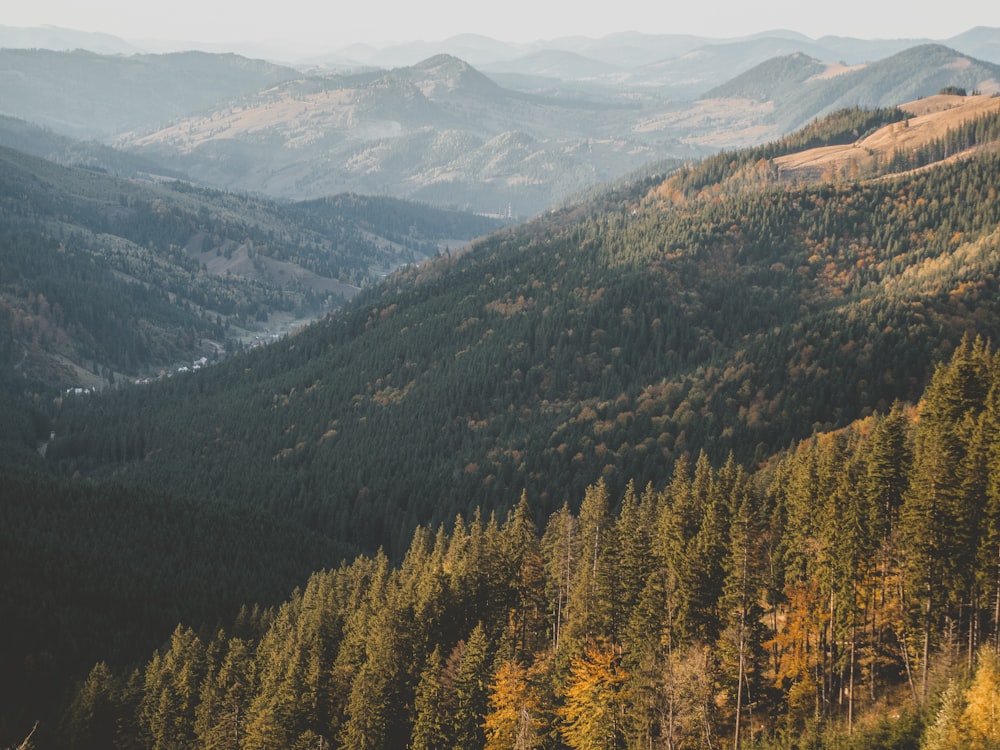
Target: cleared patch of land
932	118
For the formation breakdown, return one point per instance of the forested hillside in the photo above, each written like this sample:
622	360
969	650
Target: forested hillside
102	572
103	277
817	602
641	473
605	342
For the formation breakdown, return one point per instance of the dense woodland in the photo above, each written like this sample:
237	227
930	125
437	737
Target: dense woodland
599	343
103	572
125	276
826	600
670	468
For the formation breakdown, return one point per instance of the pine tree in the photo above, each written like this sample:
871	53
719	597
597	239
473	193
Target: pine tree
171	691
560	547
526	575
471	684
742	639
376	717
592	595
938	520
92	716
635	563
431	725
225	698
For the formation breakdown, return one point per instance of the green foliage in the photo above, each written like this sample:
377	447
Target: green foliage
355	658
121	567
604	346
125	276
566	364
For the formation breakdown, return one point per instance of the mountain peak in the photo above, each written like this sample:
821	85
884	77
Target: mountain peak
440	61
765	81
445	76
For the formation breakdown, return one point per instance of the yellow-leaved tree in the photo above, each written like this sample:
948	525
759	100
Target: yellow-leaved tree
981	717
596	699
514	721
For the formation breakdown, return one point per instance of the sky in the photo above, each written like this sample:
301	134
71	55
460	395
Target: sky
333	24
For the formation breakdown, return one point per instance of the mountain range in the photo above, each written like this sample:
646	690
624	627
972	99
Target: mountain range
748	397
182	273
442	131
728	308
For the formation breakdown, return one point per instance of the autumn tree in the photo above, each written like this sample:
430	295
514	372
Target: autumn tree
515	720
594	714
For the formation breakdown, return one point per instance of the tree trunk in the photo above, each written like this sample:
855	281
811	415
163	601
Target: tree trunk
926	650
850	678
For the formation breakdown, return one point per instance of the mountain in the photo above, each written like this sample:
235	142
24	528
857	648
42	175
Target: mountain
709	310
982	42
774	78
718	310
680	63
87	95
56	38
35	140
917	72
444	77
698	70
554	64
783	94
442	132
475	48
183	273
439	131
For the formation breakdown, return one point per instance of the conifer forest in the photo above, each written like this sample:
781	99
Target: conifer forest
709	458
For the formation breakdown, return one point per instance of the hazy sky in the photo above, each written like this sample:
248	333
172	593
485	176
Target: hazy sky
336	23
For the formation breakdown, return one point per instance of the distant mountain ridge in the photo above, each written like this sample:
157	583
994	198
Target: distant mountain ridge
805	90
86	95
445	132
717	308
103	276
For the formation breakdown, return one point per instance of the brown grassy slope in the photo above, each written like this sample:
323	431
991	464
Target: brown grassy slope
932	118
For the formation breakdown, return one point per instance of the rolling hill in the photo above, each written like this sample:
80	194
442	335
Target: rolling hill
715	309
800	88
704	311
440	131
104	277
86	95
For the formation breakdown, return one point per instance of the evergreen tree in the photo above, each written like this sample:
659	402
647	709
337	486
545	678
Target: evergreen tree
171	692
471	683
225	699
92	717
742	638
560	546
592	595
431	723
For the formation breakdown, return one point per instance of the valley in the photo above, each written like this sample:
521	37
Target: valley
580	399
